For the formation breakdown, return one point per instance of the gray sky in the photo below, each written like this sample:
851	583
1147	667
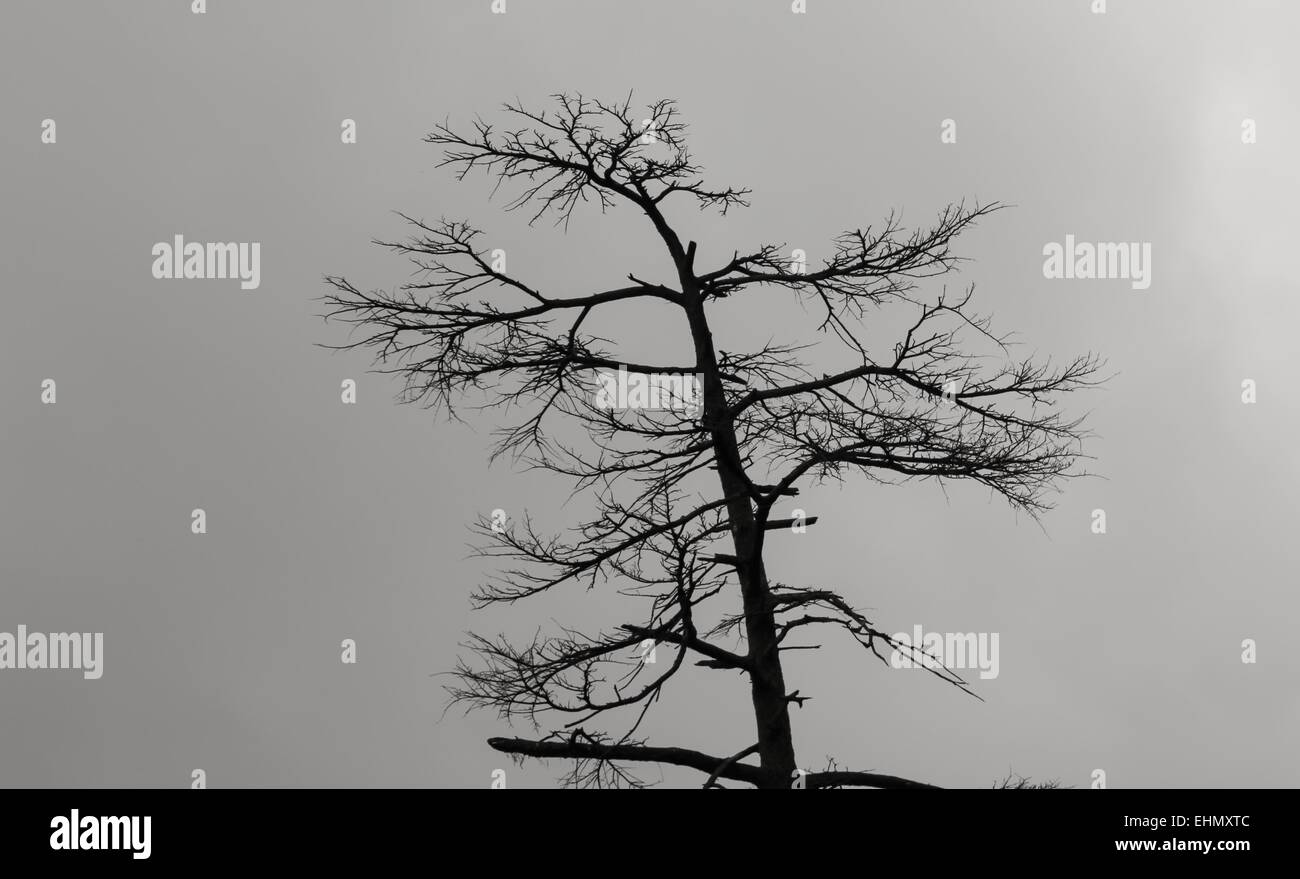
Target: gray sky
325	521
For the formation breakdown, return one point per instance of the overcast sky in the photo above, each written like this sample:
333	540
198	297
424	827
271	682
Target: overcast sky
326	521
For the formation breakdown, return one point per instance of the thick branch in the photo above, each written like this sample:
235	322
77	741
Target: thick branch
571	750
865	779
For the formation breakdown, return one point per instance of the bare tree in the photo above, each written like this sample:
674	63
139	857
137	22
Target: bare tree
667	484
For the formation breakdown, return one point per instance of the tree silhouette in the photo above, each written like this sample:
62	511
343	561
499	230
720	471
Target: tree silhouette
667	484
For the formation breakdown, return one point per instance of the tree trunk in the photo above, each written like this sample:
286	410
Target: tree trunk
767	683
